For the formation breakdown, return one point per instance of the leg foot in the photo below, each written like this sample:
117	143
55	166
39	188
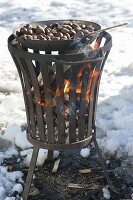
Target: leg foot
30	173
50	155
104	166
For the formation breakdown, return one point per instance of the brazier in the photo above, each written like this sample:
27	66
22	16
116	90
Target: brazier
60	91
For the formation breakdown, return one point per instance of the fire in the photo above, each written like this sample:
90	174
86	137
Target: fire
43	103
57	93
66	86
92	77
78	89
94	45
46	102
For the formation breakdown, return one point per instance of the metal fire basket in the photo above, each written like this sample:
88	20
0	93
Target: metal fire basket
60	91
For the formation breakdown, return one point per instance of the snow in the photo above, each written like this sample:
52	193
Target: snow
3	193
17	188
14	134
40	159
13	176
8	182
11	151
85	152
42	156
106	193
115	107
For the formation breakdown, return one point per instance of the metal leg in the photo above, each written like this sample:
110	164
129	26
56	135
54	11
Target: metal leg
104	166
30	173
50	155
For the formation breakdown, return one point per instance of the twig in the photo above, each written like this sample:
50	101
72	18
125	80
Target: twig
85	171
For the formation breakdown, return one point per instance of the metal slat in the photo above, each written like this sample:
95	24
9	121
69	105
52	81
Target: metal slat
99	68
49	111
72	116
23	87
93	99
39	112
27	96
60	102
72	105
89	131
37	65
94	93
83	103
48	100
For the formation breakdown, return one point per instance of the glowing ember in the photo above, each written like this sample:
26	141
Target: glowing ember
57	93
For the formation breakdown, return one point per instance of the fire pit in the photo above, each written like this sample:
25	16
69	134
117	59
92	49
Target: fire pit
60	82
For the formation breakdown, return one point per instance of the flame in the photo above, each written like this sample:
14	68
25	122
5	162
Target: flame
79	81
43	103
67	86
93	76
78	89
95	44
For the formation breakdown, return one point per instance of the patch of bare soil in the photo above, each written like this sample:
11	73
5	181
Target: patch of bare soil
55	186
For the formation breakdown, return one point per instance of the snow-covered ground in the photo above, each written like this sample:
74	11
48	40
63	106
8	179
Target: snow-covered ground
115	107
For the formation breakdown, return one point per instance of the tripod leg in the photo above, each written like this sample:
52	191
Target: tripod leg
104	166
30	173
50	155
